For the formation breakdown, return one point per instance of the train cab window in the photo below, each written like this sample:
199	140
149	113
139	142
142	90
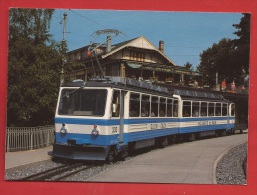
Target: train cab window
116	103
218	109
211	107
145	105
203	109
162	107
154	106
195	109
232	109
86	102
134	105
175	108
186	108
224	109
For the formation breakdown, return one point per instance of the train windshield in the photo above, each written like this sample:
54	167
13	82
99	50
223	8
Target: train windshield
82	102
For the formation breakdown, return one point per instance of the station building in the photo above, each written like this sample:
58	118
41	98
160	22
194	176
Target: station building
136	58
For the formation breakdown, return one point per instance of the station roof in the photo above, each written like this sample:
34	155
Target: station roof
139	42
161	68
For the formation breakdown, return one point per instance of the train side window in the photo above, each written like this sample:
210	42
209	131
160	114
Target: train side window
162	107
154	105
186	108
175	108
195	109
232	109
218	109
203	109
169	108
211	109
224	109
116	103
134	105
145	105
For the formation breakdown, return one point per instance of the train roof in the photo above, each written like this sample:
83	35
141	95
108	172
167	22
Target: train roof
132	84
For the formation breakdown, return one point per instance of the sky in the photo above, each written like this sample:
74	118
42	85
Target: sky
185	34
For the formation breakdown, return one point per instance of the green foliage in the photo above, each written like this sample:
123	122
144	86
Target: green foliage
33	69
221	58
243	42
230	58
189	66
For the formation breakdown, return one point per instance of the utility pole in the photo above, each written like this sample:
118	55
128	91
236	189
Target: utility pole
63	48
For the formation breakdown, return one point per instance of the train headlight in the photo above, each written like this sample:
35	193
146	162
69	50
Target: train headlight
95	131
63	129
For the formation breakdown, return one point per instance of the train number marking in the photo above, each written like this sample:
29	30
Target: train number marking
114	129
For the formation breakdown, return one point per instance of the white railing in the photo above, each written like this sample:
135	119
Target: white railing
28	138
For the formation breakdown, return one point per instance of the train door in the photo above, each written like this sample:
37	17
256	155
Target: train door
118	111
122	102
225	112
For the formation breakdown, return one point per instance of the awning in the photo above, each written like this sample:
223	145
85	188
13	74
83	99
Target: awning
161	68
133	65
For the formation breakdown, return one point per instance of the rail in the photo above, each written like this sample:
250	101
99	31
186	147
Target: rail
28	138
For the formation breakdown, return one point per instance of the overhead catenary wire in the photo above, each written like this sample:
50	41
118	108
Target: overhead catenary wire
79	43
87	18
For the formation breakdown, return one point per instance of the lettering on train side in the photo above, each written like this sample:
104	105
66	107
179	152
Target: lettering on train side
163	125
154	126
203	123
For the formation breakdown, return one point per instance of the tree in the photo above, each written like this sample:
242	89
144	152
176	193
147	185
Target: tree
189	66
189	77
243	42
221	58
229	58
33	68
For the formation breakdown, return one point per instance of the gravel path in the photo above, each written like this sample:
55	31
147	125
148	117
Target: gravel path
229	169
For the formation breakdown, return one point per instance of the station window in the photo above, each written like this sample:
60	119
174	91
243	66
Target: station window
154	105
203	109
224	109
134	105
186	108
218	109
162	107
145	105
211	107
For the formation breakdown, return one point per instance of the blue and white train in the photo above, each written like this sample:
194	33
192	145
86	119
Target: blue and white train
103	119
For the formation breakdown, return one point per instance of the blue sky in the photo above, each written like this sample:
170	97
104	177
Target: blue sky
185	34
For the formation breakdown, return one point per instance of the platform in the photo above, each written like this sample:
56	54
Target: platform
187	163
21	158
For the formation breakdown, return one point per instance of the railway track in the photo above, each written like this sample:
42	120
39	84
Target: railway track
58	173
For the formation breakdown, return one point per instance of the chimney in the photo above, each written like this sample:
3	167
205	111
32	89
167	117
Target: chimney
161	46
108	44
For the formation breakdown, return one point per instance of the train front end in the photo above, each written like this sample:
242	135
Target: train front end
81	123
